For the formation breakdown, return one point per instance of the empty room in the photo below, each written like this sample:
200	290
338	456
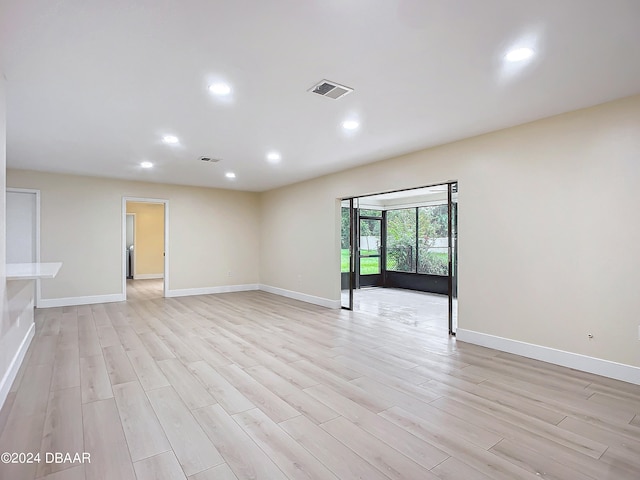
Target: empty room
319	240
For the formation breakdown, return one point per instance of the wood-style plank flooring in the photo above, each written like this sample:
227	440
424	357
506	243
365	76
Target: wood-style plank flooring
255	386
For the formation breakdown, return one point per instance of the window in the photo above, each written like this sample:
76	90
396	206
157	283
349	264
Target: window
401	240
433	242
417	240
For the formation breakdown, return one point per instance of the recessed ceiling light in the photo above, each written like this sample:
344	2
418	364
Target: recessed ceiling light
146	164
230	175
519	54
220	89
170	139
350	124
274	157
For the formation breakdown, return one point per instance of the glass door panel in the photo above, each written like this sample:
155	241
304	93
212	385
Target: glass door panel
347	246
370	251
452	206
369	265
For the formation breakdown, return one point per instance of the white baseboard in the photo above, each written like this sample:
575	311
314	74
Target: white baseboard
88	300
148	276
10	375
324	302
303	297
186	292
584	363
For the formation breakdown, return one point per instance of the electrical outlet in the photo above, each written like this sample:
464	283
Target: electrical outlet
638	332
230	275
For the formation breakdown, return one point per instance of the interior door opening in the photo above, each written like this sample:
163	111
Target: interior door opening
400	248
145	272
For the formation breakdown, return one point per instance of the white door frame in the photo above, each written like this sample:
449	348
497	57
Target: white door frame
124	240
38	297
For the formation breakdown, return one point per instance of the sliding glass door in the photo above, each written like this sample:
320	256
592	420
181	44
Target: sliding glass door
452	208
347	256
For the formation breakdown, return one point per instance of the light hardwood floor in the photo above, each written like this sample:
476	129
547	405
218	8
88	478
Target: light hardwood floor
255	386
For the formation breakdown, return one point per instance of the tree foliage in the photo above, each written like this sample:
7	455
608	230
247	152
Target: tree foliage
414	230
411	234
344	238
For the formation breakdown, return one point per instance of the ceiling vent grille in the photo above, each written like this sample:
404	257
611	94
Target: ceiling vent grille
210	159
330	89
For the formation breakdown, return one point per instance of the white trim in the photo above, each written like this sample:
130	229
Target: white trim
598	366
303	297
148	276
186	292
324	302
38	297
165	202
14	366
88	300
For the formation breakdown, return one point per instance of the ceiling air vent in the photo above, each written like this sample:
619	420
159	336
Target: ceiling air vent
209	159
330	89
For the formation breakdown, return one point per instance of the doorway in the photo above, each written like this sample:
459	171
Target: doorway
370	236
404	244
145	265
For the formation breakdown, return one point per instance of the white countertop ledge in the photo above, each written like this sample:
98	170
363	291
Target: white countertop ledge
32	271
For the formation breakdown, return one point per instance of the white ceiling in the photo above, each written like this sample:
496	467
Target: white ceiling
436	194
94	85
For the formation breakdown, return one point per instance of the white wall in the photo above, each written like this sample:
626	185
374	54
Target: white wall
538	204
7	347
17	322
212	233
21	227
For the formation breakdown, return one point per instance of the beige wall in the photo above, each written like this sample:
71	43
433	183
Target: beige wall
149	237
81	226
548	229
